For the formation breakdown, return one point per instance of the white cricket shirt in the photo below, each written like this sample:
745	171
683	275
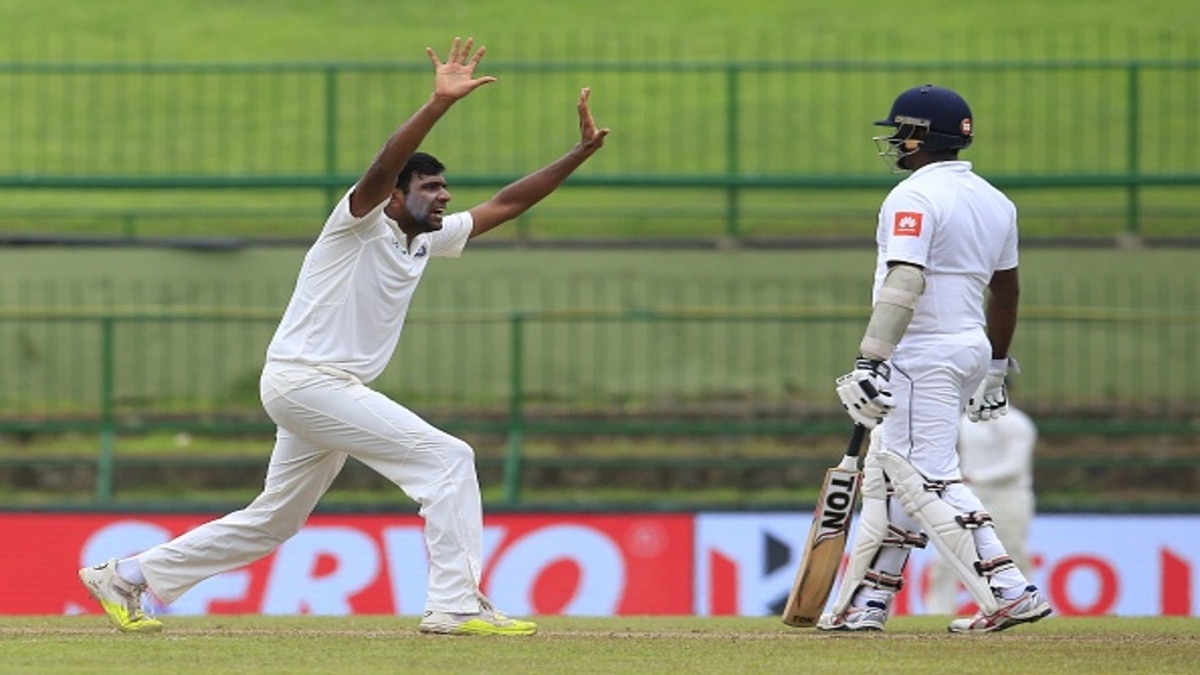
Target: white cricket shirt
959	228
354	289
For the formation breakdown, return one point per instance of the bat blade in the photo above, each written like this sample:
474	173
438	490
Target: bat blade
822	556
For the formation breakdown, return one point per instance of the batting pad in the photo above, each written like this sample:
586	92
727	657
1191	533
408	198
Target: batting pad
938	519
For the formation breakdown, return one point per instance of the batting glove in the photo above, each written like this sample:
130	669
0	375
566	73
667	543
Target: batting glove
864	392
990	400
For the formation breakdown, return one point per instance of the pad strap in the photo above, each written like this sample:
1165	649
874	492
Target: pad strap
991	566
883	580
974	520
938	487
902	538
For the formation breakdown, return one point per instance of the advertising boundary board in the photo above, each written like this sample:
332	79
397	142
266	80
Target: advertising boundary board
582	564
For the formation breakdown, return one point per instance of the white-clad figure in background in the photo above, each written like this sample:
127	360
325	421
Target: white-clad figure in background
996	458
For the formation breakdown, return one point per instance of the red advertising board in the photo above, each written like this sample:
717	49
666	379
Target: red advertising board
369	564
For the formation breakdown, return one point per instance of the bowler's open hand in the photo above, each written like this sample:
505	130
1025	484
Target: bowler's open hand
590	138
456	77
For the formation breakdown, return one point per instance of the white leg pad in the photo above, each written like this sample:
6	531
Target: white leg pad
939	520
875	532
868	537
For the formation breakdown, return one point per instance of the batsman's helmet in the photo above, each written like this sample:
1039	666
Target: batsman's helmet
942	113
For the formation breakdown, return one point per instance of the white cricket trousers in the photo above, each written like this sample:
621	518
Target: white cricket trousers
932	379
324	415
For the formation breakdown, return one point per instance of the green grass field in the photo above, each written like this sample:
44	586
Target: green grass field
249	644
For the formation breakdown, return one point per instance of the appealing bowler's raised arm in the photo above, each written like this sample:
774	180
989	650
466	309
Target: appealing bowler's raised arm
516	198
454	79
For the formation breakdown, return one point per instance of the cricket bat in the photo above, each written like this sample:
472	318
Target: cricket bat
826	538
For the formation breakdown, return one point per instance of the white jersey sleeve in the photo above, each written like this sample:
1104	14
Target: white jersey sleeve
907	224
341	218
450	241
1008	255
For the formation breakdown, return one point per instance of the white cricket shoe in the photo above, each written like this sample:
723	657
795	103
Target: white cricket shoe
487	621
868	618
1028	607
121	600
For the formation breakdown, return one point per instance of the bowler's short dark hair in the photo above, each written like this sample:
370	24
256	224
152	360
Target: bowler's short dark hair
420	163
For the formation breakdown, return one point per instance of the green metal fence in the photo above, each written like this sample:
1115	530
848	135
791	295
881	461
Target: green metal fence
722	148
730	358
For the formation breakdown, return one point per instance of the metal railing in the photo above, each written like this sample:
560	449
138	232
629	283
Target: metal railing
672	368
255	135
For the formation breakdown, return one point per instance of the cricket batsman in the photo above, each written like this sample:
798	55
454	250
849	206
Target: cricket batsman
935	344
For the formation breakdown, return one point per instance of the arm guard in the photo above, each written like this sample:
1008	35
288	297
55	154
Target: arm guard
893	310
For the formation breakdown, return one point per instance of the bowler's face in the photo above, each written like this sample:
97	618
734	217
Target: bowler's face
426	201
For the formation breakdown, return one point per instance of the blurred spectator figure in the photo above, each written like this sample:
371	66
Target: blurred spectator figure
996	457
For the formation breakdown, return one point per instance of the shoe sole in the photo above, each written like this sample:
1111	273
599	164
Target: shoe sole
476	626
849	629
1012	621
458	630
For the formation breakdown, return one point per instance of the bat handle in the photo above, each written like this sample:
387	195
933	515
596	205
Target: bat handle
856	440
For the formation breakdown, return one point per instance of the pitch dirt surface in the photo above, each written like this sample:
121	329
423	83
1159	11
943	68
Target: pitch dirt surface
257	644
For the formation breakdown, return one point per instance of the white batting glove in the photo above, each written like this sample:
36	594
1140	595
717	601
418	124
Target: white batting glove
990	400
864	392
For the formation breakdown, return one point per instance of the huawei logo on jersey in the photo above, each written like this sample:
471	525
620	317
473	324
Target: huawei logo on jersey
907	224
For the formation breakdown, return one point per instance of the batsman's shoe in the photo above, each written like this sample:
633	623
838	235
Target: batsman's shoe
1028	607
488	621
868	618
121	600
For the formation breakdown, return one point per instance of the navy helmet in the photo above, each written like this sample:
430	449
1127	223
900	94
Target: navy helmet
942	113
